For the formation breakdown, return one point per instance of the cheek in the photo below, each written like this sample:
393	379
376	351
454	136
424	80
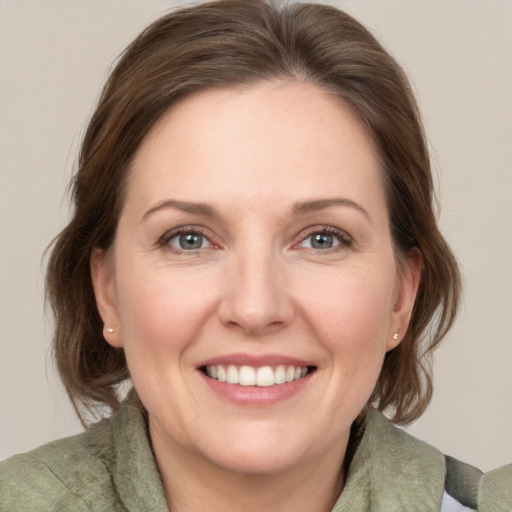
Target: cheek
160	309
160	317
351	314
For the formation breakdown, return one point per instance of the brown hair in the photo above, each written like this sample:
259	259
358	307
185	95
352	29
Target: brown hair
243	42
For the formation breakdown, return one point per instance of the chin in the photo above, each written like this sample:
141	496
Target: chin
256	450
261	463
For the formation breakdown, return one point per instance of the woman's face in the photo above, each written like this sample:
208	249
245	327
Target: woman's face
254	247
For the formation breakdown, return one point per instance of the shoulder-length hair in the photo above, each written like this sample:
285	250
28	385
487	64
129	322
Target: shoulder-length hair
245	42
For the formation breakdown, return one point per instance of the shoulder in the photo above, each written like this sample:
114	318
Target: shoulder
27	483
108	467
495	491
404	470
68	474
471	489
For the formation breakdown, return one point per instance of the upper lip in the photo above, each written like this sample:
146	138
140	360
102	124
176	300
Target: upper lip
255	360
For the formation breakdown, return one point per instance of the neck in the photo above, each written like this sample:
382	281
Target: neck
193	483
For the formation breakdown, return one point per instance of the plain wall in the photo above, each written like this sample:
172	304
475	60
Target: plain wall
54	57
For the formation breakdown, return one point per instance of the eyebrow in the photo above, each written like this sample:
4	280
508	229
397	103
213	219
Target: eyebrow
304	207
298	208
186	206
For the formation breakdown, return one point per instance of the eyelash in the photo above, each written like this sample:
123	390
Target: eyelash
345	241
165	239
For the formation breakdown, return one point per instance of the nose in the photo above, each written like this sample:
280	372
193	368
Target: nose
256	298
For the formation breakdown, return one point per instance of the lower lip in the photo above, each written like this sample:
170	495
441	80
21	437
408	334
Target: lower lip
255	395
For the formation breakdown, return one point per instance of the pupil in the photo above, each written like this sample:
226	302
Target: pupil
322	241
191	241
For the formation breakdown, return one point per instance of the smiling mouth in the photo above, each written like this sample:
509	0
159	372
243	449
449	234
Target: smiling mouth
263	376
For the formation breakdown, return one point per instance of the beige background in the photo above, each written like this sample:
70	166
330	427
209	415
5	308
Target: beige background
54	56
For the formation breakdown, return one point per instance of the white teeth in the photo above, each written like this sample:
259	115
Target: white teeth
232	375
263	376
221	373
280	375
247	376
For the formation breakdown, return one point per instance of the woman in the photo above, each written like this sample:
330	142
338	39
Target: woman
254	246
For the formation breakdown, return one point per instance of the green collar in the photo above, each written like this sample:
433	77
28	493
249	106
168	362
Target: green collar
392	470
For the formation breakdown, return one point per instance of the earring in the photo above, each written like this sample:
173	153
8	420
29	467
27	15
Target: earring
110	330
395	336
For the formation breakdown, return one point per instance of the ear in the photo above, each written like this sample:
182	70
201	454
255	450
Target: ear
103	282
406	288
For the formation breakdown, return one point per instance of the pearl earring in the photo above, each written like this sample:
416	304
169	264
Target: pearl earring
395	336
110	330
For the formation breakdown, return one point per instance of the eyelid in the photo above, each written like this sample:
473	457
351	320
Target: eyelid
163	240
345	239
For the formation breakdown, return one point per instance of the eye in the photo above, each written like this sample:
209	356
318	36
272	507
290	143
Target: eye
186	241
320	241
325	239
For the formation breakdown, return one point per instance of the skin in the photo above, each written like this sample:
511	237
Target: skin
256	286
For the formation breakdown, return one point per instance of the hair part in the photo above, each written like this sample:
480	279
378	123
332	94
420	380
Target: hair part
231	43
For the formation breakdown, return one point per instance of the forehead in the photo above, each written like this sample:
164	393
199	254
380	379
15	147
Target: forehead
286	139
